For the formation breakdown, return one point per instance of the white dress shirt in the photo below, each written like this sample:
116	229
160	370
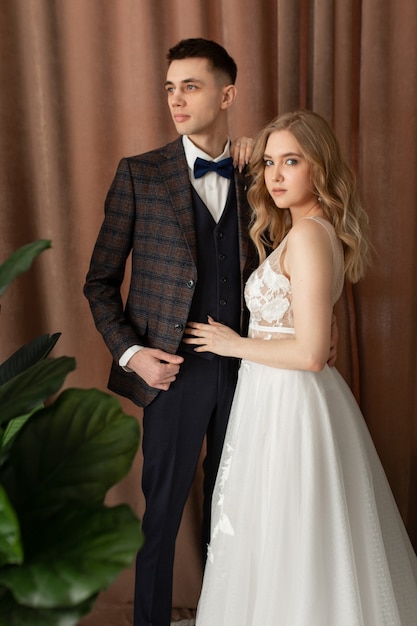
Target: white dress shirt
211	187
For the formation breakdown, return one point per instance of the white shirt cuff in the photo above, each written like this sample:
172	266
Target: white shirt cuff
126	356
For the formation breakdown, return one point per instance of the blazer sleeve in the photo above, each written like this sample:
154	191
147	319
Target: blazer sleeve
108	263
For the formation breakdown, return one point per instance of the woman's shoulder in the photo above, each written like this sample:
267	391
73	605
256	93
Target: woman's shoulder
311	243
311	229
314	239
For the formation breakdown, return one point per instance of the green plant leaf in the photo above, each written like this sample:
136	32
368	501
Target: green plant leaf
26	356
14	614
24	392
13	428
20	261
10	544
86	550
59	544
68	453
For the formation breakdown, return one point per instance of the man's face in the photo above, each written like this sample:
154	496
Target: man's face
196	97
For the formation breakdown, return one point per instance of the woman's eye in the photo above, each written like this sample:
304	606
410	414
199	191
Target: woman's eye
268	162
291	162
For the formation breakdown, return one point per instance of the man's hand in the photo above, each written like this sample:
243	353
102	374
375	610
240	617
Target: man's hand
334	338
157	368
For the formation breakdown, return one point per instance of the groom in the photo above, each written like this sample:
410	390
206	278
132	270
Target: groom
181	210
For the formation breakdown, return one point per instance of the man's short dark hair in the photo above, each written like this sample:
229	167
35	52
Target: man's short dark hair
204	49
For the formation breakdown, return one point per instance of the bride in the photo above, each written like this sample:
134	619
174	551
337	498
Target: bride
305	530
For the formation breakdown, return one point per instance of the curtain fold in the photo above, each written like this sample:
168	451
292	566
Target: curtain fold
82	86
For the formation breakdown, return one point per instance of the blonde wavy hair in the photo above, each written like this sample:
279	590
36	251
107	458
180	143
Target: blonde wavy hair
332	181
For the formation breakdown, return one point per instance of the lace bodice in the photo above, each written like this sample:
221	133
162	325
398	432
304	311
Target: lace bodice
268	292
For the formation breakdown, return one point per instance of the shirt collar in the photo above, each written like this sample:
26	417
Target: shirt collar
192	152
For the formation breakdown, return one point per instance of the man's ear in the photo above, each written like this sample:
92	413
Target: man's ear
229	95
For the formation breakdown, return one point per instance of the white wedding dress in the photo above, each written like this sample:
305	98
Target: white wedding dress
305	530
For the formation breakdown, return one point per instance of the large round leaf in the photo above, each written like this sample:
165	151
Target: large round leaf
79	555
68	453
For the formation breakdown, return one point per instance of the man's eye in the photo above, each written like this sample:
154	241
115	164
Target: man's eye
190	87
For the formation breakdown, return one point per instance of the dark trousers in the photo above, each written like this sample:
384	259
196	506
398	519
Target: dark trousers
174	426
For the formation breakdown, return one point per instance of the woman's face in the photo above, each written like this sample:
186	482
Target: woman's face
287	172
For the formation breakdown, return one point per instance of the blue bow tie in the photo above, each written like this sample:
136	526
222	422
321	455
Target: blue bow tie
224	167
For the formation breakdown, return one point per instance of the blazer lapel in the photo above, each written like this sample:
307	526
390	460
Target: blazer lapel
174	174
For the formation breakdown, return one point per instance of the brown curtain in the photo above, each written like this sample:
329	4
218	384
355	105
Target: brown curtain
81	86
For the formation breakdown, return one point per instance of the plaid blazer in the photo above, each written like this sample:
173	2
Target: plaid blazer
149	214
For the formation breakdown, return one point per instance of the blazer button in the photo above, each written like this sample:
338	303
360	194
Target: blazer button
179	328
190	284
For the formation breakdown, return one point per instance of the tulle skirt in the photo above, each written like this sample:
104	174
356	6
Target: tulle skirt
305	530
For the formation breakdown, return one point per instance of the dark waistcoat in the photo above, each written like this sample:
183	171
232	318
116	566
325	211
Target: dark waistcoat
217	291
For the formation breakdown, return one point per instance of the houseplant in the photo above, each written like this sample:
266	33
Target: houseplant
60	545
